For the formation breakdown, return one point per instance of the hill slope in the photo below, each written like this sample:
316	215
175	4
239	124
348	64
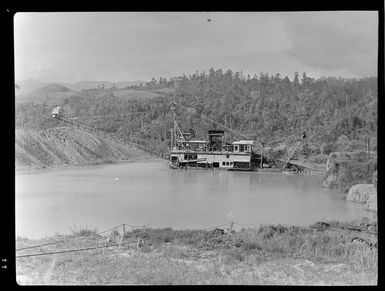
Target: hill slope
66	146
52	93
52	87
28	86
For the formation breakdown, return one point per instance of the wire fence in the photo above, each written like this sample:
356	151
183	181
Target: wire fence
96	247
143	227
77	250
71	238
117	226
41	245
110	229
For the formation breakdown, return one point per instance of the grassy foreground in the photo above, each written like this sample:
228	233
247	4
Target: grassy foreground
270	255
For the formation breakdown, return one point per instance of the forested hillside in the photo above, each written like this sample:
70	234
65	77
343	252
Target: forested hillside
264	107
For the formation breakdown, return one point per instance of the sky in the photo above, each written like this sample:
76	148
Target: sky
129	46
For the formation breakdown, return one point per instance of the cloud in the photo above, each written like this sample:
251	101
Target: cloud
334	41
69	46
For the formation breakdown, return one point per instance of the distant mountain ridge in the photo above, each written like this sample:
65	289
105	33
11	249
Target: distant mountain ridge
52	87
87	85
30	85
45	89
52	92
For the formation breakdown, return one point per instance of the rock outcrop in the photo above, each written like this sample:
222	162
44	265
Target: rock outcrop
329	181
359	156
364	193
346	169
371	204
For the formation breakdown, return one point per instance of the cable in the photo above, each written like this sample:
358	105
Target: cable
205	117
68	239
228	128
106	135
139	226
118	115
76	250
109	229
47	244
214	227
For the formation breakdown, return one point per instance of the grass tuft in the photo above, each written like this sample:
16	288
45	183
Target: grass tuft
83	231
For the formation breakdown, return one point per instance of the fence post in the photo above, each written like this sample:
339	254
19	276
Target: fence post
124	229
230	228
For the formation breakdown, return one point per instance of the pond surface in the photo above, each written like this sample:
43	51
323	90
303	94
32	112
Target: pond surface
149	193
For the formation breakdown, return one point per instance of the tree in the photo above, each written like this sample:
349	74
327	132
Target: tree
266	104
296	81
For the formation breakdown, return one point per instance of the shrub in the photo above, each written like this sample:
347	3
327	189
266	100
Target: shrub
155	235
319	159
232	256
344	144
314	150
327	149
247	239
79	231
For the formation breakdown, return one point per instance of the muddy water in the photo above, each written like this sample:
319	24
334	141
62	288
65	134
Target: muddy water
54	201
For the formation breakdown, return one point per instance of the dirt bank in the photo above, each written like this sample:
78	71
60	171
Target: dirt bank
66	146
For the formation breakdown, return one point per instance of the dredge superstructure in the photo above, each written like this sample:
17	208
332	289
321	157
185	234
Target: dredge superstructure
245	154
212	152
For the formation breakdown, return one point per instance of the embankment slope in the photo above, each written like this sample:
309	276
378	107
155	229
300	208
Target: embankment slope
66	146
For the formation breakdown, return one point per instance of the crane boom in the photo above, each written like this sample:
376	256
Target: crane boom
217	123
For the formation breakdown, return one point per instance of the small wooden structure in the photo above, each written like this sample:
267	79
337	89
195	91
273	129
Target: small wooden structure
56	112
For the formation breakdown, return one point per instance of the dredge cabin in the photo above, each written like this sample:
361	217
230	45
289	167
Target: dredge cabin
211	153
